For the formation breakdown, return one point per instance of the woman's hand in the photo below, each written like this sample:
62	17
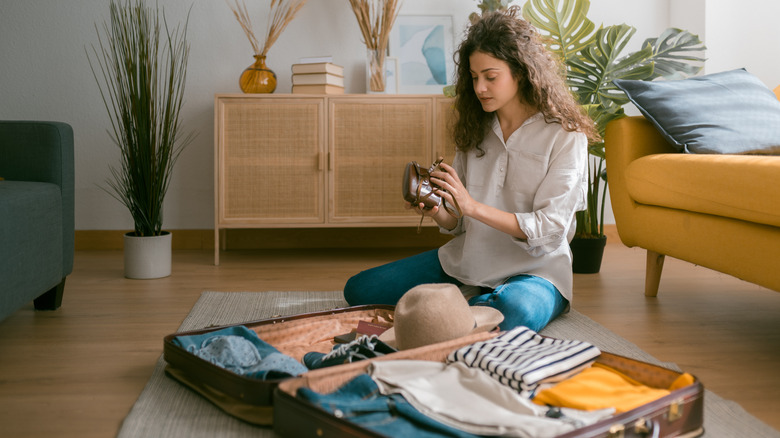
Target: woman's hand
420	209
453	191
439	215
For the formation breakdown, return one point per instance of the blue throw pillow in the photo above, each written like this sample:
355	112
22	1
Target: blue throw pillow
731	112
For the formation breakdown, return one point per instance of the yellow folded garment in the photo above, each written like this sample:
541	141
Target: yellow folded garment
600	387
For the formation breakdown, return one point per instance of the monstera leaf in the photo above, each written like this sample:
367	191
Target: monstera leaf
591	74
667	56
675	54
565	23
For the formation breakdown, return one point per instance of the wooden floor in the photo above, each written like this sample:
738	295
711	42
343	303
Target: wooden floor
76	372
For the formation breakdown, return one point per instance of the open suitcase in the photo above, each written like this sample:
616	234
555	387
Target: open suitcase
266	402
680	414
251	399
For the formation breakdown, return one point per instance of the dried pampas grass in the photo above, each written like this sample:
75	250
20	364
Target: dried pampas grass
282	13
376	18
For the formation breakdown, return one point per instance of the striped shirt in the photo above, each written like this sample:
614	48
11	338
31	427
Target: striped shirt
522	359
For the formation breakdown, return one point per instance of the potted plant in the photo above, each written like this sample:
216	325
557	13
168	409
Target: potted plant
592	57
140	65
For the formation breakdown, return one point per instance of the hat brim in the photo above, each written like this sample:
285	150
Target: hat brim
485	318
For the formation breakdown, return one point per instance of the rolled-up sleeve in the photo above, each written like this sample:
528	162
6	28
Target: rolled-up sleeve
561	193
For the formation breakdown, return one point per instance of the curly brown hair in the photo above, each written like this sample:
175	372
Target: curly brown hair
539	73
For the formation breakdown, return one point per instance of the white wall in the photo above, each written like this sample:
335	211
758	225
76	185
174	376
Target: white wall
744	34
44	73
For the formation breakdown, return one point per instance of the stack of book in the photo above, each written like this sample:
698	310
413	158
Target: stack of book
317	78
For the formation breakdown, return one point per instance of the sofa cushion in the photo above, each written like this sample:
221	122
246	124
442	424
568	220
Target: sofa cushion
730	112
736	186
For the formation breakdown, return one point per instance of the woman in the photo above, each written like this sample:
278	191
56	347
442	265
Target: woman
519	176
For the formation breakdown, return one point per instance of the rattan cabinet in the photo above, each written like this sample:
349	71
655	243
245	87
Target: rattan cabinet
321	161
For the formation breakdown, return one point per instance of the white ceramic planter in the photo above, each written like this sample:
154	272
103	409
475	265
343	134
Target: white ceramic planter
147	257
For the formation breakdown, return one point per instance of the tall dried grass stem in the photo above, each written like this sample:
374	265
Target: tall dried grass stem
282	12
375	18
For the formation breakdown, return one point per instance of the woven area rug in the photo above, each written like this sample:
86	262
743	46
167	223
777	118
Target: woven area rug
167	408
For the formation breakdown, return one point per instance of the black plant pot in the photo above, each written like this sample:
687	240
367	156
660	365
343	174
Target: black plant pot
587	254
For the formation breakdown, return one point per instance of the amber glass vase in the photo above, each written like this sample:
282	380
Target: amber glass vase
257	78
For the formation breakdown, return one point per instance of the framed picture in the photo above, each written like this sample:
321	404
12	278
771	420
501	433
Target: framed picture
391	75
423	45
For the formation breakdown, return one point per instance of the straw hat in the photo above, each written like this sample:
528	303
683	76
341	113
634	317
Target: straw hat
431	313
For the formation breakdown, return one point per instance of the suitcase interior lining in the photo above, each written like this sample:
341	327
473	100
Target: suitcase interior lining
329	379
297	337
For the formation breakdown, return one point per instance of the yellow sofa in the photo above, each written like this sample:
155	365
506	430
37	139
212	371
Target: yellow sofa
718	211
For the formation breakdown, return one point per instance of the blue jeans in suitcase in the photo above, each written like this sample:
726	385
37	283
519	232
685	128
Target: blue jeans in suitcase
359	401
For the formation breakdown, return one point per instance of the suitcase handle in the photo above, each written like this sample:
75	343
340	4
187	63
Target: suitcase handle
647	428
643	427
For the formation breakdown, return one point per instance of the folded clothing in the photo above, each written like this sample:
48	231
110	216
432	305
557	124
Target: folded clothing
523	359
600	387
239	350
364	347
468	399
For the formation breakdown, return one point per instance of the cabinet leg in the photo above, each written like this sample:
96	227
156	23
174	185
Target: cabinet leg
216	246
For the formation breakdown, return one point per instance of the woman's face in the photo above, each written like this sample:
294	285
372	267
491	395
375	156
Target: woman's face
493	81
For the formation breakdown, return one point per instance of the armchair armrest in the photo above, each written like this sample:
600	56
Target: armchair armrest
633	137
626	140
42	152
36	151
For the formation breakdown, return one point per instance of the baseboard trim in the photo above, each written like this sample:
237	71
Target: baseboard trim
114	239
277	238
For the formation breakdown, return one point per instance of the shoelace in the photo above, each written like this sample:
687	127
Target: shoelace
365	340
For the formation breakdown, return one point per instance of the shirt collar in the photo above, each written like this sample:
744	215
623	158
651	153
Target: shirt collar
497	125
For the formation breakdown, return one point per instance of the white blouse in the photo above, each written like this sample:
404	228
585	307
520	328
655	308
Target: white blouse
539	174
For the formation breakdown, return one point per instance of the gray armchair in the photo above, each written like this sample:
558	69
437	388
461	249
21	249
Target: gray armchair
36	213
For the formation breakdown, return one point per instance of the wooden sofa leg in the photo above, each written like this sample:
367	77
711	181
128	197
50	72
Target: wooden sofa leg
655	264
52	299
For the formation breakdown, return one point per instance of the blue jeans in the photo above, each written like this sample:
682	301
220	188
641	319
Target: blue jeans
359	401
239	350
523	299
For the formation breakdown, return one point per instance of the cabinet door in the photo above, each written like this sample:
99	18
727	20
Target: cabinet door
270	161
371	140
